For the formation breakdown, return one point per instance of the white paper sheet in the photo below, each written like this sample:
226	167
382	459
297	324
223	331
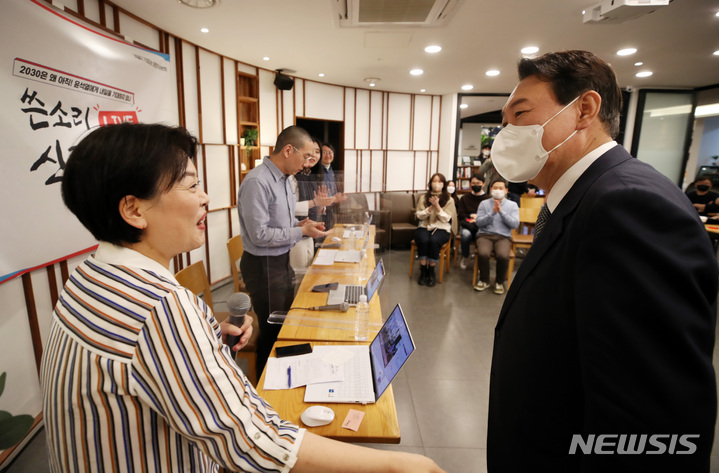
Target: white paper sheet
304	369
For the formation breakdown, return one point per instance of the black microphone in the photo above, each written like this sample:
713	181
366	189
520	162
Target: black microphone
238	304
343	307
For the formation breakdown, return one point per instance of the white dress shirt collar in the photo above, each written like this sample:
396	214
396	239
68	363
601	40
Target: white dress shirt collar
570	176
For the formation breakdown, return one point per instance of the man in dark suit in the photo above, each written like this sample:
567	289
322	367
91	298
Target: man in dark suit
602	355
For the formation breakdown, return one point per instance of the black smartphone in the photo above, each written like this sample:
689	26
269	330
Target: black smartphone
292	350
325	287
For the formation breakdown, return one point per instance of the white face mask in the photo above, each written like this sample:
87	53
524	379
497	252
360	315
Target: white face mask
437	186
497	194
485	153
450	189
517	151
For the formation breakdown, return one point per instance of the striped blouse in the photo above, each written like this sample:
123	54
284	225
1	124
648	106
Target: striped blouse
136	379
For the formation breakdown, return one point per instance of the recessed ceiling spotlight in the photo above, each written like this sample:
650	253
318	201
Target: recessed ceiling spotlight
416	72
205	30
464	105
529	50
423	90
716	53
640	63
467	87
372	84
321	74
626	52
433	49
372	81
266	58
492	72
644	74
716	14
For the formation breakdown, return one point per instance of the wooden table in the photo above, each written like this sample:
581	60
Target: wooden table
379	425
344	273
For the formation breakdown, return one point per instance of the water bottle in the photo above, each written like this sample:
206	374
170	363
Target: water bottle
362	320
363	267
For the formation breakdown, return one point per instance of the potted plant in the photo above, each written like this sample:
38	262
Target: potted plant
250	136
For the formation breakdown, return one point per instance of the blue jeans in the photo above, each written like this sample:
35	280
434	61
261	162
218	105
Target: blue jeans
466	237
429	243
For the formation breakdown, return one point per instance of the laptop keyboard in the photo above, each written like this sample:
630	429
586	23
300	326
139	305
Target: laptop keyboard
356	368
353	293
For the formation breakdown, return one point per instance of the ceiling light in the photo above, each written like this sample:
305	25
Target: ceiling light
205	30
321	74
266	58
467	87
423	90
530	50
644	74
200	3
433	49
707	110
416	72
372	81
464	105
716	53
640	63
716	14
492	72
626	52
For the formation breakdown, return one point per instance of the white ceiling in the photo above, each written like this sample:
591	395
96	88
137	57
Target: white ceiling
676	42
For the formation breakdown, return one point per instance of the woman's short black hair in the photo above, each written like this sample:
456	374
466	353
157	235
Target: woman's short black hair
115	161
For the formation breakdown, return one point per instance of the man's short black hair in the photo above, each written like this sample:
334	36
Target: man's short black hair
115	161
571	73
499	179
292	135
478	176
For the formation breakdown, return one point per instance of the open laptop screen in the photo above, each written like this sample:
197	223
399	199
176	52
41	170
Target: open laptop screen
375	279
389	350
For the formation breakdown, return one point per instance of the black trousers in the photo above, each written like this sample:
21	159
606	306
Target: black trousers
269	280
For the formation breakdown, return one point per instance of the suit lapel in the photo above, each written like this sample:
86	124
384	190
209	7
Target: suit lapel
555	226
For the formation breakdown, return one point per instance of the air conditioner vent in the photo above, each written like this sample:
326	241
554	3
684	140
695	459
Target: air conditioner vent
377	13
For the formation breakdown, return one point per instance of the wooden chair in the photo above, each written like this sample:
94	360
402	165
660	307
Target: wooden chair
530	202
195	279
510	267
444	255
235	248
522	236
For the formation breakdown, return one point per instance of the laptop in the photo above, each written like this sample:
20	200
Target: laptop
371	368
351	256
350	293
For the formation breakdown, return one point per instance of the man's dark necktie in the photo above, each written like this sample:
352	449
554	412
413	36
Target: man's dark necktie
542	218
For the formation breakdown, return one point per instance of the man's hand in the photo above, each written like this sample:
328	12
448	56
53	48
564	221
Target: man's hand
321	198
497	206
246	331
472	218
339	197
313	229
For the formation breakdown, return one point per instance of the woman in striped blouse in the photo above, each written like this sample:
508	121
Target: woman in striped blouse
135	375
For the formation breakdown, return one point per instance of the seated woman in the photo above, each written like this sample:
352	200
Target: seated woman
437	217
135	374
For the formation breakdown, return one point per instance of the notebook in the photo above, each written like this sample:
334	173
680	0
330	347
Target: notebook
350	292
371	369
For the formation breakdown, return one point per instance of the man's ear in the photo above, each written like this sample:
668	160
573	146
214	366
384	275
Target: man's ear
132	211
589	104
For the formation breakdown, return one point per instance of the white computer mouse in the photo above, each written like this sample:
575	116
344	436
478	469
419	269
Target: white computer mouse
336	239
316	416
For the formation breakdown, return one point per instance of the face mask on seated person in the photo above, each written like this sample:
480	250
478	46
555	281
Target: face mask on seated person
517	152
498	194
450	189
702	188
437	186
476	189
